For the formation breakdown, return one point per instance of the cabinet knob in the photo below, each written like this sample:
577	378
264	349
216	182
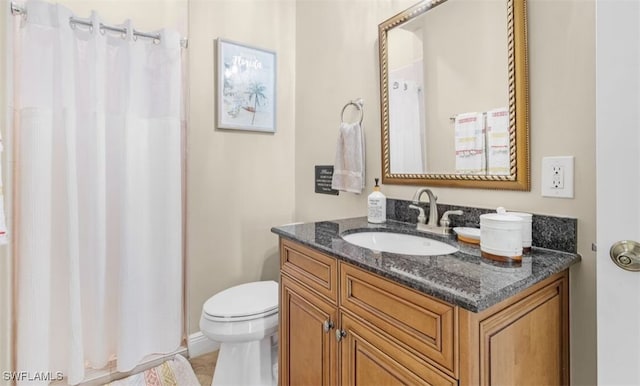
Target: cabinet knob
327	325
340	334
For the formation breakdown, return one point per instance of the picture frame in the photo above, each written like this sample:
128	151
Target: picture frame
246	87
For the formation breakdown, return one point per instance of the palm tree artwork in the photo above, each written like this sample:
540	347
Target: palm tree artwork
256	93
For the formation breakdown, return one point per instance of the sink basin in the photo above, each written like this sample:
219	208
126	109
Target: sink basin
399	243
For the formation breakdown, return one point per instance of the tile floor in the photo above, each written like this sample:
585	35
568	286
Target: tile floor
203	367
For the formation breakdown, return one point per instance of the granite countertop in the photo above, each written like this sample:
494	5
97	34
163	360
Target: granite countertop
463	278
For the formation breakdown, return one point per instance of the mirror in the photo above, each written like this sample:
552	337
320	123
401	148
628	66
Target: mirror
453	87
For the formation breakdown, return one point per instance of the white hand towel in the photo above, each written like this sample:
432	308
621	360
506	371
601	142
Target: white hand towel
469	143
348	169
498	141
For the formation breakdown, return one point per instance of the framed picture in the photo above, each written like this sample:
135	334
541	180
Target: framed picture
246	83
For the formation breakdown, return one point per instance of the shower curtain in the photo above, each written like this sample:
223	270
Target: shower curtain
406	126
99	206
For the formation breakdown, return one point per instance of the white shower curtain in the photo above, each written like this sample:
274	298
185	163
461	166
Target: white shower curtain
406	126
99	213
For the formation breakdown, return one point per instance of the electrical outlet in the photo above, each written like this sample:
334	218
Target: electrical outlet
557	177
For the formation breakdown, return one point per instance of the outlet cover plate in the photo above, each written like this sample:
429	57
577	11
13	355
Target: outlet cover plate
557	177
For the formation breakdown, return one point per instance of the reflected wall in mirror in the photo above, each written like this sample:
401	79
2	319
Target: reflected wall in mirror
454	95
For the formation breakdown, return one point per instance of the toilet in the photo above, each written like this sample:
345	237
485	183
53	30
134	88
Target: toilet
244	320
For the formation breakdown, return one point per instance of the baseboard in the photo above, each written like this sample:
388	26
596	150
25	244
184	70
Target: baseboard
198	344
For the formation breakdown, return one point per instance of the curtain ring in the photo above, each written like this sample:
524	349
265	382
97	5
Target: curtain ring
156	41
72	24
102	30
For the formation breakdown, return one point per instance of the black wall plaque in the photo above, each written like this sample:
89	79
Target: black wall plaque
324	173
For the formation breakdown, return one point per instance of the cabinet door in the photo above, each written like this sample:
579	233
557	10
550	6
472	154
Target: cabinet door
369	357
307	346
527	343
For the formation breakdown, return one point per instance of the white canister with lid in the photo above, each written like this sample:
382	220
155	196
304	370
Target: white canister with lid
527	226
501	237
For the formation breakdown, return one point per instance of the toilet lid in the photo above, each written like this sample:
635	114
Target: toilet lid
244	300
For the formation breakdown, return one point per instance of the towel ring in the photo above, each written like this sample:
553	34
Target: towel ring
357	105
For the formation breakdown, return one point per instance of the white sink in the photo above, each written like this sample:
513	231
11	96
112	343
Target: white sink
399	243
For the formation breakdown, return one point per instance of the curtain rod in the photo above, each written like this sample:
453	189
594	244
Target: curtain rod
19	10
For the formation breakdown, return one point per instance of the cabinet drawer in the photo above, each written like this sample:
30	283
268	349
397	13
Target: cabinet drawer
317	271
421	324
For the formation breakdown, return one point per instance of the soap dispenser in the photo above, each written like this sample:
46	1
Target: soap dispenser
377	206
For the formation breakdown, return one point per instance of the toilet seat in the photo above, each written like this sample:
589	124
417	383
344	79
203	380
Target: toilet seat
243	302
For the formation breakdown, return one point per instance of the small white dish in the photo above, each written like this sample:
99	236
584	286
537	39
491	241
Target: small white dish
468	235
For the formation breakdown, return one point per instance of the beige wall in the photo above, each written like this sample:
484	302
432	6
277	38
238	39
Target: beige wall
240	184
337	60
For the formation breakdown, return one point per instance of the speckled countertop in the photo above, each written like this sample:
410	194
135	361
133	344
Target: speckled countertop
463	278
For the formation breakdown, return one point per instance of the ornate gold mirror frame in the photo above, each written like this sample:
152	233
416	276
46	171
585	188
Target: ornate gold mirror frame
518	104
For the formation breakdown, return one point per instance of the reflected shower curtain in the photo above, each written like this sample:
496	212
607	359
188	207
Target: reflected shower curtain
99	221
406	127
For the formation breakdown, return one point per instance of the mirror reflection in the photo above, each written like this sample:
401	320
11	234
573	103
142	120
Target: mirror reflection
444	79
454	77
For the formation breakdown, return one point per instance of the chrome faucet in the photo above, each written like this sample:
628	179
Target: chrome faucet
433	225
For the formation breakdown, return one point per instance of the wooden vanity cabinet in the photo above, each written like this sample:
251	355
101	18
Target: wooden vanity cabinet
341	325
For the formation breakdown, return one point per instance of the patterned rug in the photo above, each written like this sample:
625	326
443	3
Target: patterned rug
175	372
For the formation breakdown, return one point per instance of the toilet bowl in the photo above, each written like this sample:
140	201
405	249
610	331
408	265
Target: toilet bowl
244	320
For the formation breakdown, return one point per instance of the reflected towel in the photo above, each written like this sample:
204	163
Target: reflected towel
498	141
348	169
469	143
